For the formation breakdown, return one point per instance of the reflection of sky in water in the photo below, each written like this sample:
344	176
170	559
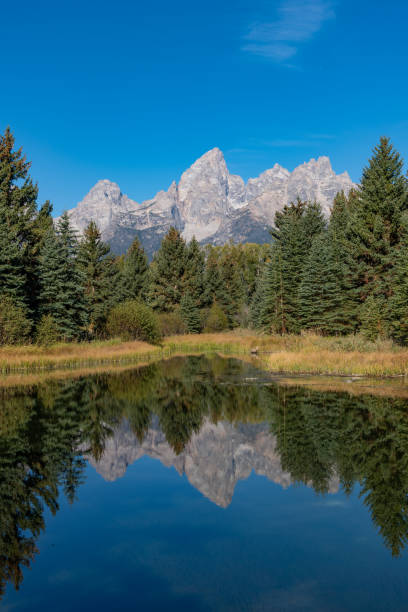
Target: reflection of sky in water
150	541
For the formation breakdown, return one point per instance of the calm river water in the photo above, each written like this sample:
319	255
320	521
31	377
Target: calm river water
199	484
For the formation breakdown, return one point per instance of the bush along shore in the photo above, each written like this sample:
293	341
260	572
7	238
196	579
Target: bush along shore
290	354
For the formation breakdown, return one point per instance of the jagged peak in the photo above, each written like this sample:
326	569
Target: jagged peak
274	171
215	152
214	155
323	160
208	201
105	185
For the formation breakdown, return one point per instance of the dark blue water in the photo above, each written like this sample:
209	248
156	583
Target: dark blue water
199	485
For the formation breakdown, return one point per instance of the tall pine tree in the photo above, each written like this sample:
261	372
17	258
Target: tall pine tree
212	276
374	229
231	291
135	272
295	228
167	272
62	282
20	222
190	314
264	305
194	272
325	295
101	278
12	273
397	311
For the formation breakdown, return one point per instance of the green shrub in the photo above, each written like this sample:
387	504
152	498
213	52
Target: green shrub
15	326
171	323
243	317
216	320
133	320
47	331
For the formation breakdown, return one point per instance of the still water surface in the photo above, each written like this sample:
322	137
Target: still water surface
199	484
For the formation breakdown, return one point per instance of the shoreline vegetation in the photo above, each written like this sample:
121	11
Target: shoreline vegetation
326	296
310	354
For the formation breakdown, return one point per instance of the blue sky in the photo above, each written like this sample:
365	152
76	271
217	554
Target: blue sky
135	91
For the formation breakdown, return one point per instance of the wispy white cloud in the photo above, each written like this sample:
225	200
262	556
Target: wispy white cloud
297	22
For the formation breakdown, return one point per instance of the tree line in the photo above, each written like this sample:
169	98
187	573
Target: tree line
337	276
349	273
56	286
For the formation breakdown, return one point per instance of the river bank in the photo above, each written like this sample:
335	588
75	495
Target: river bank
348	356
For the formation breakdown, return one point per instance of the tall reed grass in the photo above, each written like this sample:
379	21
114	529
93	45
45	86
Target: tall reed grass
307	354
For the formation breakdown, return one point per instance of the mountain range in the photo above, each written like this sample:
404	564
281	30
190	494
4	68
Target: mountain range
214	459
208	203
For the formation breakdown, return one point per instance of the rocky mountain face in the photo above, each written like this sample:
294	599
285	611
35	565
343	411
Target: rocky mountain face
209	203
214	459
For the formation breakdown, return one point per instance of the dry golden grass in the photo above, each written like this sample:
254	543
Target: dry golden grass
308	354
230	340
35	378
28	358
340	362
391	387
289	355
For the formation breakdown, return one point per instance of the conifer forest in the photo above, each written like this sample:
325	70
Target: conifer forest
334	276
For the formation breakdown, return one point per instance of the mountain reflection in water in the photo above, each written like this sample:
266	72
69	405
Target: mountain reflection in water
215	420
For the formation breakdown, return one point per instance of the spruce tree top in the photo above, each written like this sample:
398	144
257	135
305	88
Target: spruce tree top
374	228
384	190
18	203
167	272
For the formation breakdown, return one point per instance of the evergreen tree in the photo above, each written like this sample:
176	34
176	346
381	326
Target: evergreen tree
190	314
372	317
14	324
397	313
237	266
12	274
315	287
256	301
251	259
264	307
19	221
101	277
230	294
325	296
135	271
374	229
343	300
212	277
194	272
296	225
167	272
62	282
18	195
41	225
